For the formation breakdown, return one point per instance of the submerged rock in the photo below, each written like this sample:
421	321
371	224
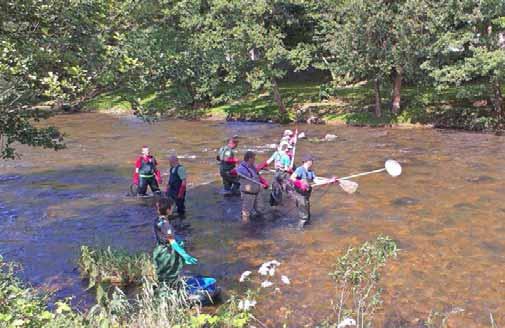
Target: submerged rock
481	179
330	137
405	201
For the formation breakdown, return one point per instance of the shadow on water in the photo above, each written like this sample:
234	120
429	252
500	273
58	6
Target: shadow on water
46	217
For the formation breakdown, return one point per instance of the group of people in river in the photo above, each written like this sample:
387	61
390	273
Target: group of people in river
245	176
240	178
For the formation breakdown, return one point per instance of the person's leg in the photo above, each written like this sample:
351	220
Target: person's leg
235	185
181	207
142	186
247	206
153	184
226	182
303	210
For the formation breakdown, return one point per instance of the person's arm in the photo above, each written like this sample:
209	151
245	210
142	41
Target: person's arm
182	175
297	180
230	158
138	163
178	248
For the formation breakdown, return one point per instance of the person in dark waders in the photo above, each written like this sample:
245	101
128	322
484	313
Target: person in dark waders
282	164
176	188
227	165
168	256
146	173
302	179
250	186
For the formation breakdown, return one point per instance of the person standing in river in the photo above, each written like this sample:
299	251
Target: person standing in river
282	164
146	173
227	165
250	185
176	188
302	179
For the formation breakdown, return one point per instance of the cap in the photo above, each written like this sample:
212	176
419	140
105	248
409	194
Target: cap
307	158
288	133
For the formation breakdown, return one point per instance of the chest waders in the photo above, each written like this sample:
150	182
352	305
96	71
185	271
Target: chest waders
167	262
174	185
231	183
146	177
302	199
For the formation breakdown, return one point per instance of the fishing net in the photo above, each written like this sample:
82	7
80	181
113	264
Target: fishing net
348	186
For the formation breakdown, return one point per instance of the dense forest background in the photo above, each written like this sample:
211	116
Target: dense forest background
364	62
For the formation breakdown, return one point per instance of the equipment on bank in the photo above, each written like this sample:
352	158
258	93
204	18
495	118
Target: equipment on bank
202	289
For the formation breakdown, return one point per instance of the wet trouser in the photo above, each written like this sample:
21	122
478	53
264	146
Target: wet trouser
249	205
230	182
278	187
151	182
303	206
179	202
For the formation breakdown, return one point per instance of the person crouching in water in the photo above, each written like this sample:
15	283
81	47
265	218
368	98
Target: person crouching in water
176	188
168	256
302	179
227	165
250	185
146	173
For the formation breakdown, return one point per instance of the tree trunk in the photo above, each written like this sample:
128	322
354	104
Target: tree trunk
396	94
277	97
378	110
498	101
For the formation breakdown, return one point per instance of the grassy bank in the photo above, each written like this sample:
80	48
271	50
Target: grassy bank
466	107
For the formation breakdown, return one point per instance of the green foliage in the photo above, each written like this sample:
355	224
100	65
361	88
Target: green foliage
105	268
22	306
357	275
469	45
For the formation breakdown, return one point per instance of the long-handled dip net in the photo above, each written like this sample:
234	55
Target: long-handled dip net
392	167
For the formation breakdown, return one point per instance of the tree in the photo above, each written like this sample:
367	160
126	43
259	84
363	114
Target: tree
372	40
59	52
470	45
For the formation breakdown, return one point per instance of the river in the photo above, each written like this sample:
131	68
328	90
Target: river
447	212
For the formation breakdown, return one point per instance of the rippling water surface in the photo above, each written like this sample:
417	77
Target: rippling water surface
447	212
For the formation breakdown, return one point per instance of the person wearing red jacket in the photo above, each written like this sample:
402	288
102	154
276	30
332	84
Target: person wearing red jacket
146	173
227	166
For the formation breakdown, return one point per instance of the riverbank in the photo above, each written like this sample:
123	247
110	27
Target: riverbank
465	108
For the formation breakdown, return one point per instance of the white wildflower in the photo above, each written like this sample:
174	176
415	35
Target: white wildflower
285	280
268	268
246	304
244	276
347	322
263	270
266	284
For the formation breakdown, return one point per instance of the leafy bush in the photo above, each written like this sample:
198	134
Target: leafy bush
23	306
357	274
116	267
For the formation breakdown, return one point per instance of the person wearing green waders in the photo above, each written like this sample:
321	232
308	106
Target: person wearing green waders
227	167
168	256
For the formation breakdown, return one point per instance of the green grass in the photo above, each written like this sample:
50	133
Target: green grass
451	107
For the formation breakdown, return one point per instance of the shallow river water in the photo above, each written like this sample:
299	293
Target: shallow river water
447	212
